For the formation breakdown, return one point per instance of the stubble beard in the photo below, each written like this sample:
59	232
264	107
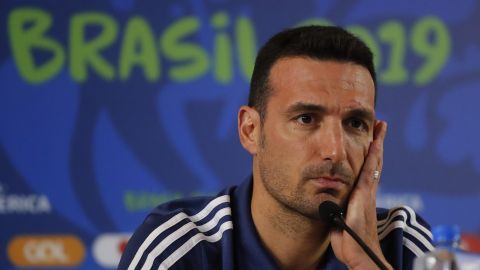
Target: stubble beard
292	195
276	181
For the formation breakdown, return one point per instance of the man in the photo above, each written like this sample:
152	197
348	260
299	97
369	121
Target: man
310	127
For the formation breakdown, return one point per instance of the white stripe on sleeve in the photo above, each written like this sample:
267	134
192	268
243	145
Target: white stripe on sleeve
192	242
171	222
394	212
386	225
167	241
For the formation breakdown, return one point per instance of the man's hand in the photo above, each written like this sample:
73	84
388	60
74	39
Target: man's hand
361	210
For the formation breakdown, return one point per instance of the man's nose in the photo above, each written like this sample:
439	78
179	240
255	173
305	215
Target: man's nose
331	141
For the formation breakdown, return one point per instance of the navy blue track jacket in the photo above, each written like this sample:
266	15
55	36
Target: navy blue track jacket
218	233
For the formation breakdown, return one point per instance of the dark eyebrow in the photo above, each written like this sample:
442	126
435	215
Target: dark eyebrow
305	107
300	107
362	113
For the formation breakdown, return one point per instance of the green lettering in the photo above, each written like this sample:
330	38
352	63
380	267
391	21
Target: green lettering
196	58
314	21
141	201
223	52
24	40
85	53
246	39
431	40
138	48
129	201
393	33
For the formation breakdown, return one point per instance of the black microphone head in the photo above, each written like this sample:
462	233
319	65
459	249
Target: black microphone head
328	210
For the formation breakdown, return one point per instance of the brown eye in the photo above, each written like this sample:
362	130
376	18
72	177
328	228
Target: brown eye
305	119
356	123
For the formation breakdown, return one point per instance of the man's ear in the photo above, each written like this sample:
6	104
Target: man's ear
249	129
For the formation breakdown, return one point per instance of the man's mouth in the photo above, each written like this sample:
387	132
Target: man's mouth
328	182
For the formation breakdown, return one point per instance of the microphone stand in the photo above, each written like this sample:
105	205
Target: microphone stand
341	223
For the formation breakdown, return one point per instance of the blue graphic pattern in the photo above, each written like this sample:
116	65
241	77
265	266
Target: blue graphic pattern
88	145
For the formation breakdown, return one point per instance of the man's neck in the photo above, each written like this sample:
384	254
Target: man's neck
295	241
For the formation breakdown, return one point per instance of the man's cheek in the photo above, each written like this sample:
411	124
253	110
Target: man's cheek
358	149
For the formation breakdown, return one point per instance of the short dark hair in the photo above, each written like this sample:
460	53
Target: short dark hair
317	42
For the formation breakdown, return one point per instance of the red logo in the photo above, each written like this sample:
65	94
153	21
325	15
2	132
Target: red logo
470	242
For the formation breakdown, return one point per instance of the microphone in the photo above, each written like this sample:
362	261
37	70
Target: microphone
333	214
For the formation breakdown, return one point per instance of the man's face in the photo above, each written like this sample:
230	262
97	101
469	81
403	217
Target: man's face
317	130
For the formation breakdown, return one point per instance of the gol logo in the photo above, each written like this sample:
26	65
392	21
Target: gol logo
46	251
108	248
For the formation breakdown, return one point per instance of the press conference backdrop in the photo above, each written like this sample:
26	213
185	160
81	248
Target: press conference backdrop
108	108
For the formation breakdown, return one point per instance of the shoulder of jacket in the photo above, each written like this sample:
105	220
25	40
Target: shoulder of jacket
174	228
402	221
